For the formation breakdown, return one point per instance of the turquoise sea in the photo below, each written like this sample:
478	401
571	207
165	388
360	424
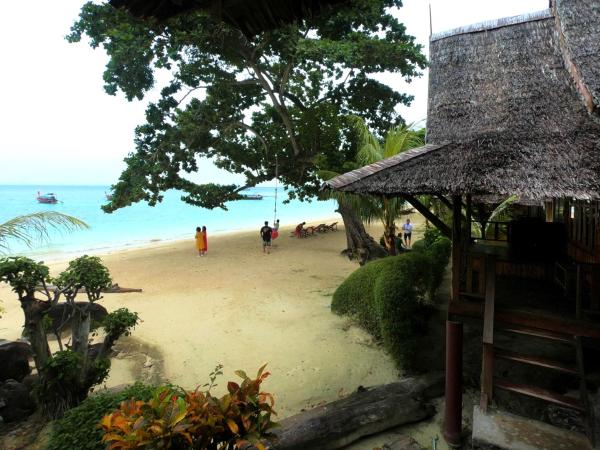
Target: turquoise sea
140	224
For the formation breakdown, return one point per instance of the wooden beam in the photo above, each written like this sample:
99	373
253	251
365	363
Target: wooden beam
487	366
435	220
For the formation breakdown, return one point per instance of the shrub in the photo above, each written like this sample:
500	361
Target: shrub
386	296
355	296
78	429
439	254
399	289
177	419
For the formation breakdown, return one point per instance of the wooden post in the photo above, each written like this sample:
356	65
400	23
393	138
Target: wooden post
578	292
453	393
456	246
487	366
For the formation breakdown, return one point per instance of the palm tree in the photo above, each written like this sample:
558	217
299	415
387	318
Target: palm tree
370	150
30	228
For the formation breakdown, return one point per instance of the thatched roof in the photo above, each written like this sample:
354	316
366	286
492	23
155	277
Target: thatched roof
250	16
505	114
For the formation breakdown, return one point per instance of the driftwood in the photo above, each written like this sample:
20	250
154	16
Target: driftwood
114	289
365	412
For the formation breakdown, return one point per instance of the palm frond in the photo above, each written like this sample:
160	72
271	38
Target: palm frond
369	148
502	207
31	228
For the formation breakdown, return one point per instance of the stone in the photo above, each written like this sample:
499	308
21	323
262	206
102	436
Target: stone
60	312
14	358
16	403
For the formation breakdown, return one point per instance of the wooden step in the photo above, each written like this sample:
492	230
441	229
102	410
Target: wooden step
472	296
535	332
535	361
540	393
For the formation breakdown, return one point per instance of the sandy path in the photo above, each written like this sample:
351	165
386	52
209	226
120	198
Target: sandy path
240	308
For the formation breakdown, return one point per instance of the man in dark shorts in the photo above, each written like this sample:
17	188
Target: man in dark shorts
265	233
407	229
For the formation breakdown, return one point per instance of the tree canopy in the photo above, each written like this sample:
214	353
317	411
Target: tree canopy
246	102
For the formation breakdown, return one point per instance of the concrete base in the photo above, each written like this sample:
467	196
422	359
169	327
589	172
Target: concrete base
500	430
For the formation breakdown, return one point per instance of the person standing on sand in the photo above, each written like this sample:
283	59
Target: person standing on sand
275	233
265	233
200	241
407	229
205	239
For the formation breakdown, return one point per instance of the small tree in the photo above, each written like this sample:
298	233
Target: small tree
66	376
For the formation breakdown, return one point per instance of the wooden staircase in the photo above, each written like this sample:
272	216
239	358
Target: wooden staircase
493	352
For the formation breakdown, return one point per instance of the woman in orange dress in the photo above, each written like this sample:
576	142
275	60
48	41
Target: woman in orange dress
200	246
205	239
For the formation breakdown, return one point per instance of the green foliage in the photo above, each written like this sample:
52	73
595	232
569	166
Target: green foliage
398	294
243	101
78	428
85	272
431	235
388	297
22	274
177	419
120	322
356	296
34	227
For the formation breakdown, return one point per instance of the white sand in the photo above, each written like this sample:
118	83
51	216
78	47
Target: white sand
241	308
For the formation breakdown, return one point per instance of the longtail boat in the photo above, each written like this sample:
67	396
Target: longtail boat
46	198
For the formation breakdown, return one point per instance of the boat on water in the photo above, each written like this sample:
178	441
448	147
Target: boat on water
46	198
252	197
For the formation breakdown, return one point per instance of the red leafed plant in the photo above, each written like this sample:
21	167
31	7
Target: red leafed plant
179	419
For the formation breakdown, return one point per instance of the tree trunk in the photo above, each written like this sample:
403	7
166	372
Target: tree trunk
363	413
389	237
360	244
33	310
389	228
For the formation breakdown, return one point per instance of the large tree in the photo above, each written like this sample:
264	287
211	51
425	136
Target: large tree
247	102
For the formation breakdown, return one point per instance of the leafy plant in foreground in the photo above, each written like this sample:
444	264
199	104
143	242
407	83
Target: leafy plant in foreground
177	419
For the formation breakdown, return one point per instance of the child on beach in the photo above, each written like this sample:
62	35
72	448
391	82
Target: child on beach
200	246
275	230
205	239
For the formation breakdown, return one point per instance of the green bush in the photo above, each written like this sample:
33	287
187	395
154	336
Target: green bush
439	254
355	296
399	289
78	428
387	296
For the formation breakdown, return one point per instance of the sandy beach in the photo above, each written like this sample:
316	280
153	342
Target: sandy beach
241	308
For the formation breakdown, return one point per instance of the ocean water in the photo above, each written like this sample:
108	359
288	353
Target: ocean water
140	224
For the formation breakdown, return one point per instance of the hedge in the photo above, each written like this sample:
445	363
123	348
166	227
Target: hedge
386	296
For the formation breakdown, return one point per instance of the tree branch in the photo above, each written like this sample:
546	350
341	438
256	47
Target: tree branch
280	109
445	229
252	130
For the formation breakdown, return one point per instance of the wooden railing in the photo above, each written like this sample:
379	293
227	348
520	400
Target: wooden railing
494	231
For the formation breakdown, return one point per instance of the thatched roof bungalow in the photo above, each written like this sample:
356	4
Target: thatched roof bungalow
505	115
514	108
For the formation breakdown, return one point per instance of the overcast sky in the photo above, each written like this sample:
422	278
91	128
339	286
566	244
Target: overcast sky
58	126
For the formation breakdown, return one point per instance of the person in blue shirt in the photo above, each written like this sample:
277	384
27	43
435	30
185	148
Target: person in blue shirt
407	230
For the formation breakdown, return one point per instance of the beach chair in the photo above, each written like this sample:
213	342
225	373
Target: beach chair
322	228
332	227
309	231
